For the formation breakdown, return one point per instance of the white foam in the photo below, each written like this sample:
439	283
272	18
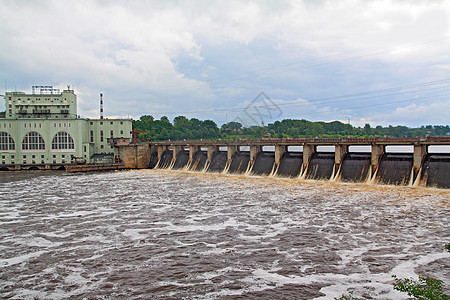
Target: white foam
407	268
19	259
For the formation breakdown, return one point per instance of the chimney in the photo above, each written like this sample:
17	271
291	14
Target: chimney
101	106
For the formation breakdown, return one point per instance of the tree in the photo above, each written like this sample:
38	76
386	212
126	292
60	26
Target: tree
195	129
425	288
367	129
146	118
180	122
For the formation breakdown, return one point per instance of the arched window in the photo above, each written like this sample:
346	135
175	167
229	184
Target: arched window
6	141
62	140
33	141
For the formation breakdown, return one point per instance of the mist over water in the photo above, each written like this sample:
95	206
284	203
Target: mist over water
169	235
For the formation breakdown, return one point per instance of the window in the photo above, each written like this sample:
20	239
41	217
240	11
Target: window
121	122
101	135
101	146
6	141
62	140
121	132
33	141
112	133
101	123
92	136
110	123
92	123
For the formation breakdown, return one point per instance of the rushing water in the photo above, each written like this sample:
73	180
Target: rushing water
153	234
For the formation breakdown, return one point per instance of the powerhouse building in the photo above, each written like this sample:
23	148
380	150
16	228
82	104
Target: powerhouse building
43	128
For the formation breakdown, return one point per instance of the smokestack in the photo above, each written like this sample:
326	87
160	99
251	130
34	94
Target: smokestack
101	106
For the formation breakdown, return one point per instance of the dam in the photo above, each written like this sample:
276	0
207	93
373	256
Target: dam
345	159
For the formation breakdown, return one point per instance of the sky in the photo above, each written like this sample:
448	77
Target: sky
358	61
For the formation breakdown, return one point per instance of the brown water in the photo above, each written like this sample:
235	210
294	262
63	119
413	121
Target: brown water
156	234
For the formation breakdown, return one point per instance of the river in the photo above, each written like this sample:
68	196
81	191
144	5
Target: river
156	234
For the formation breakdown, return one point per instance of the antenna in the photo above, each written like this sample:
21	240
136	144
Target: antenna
101	106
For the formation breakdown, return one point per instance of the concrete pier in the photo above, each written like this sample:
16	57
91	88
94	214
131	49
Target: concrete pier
161	150
279	151
339	152
420	151
377	151
192	150
254	150
308	150
211	150
230	152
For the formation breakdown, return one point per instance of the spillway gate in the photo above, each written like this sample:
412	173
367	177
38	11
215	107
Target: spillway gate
303	158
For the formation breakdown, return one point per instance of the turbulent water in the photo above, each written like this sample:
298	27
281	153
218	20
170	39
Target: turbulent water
153	234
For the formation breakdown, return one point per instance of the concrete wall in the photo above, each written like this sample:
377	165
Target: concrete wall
134	156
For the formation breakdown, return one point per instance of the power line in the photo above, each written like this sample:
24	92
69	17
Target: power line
284	67
385	103
331	99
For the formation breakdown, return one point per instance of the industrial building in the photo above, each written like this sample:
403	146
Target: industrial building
43	129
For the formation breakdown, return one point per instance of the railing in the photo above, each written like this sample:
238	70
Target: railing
41	111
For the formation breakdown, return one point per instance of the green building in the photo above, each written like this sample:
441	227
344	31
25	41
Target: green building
43	129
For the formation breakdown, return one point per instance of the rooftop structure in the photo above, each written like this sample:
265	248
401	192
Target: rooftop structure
48	103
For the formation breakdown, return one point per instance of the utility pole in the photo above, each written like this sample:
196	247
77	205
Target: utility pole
262	132
348	118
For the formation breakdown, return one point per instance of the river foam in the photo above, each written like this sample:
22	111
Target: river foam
168	234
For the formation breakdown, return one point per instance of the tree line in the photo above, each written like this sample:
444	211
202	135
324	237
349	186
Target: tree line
183	128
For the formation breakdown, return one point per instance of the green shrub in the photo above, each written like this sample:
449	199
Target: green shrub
346	297
423	289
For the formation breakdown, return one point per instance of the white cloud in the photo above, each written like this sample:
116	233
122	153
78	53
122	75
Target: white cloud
433	113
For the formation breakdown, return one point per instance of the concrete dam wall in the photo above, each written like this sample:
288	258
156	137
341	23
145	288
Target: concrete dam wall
278	158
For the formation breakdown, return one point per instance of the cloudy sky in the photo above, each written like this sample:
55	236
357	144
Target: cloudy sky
377	62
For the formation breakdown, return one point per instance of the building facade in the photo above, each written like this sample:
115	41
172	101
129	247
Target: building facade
43	128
